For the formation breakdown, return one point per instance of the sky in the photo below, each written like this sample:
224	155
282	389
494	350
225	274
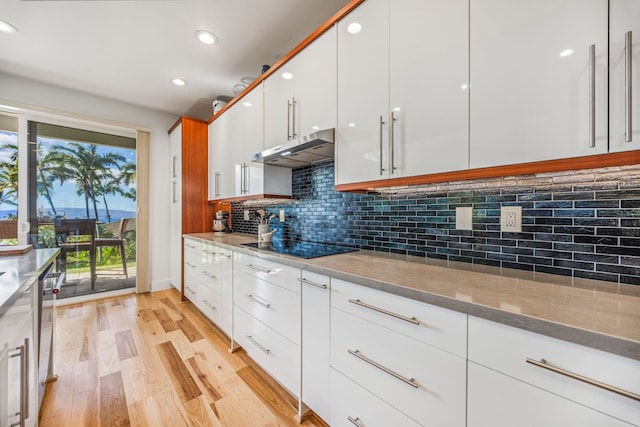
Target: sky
65	195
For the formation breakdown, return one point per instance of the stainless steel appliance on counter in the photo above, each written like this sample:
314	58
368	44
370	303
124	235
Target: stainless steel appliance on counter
221	223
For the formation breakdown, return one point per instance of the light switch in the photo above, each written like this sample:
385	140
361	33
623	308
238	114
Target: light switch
281	215
511	219
464	218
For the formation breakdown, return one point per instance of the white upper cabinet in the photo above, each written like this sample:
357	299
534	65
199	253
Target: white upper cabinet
175	210
363	93
624	69
402	90
247	134
221	171
538	80
300	97
429	86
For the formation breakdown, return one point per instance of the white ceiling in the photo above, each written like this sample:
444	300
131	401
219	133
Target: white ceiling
130	50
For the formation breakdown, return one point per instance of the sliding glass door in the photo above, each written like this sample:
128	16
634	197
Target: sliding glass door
82	199
8	180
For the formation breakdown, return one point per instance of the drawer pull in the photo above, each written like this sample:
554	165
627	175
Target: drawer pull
257	344
355	421
405	380
208	304
191	290
383	311
309	282
259	301
546	365
190	265
206	273
261	269
190	246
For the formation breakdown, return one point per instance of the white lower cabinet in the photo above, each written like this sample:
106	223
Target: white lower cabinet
18	374
208	281
353	405
516	364
497	400
269	349
266	316
316	339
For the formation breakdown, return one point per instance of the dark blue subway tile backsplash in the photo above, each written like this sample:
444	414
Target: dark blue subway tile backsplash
585	225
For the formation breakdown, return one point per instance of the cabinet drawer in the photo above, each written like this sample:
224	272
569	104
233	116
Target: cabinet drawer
274	306
350	402
497	400
272	272
426	383
210	304
272	351
191	287
191	245
436	326
487	347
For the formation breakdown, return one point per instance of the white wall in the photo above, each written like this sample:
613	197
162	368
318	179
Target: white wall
24	91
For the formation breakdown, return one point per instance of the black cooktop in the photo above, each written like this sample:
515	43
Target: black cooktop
301	249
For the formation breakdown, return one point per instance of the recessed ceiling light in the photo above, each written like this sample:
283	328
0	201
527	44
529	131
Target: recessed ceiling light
566	52
287	75
247	104
179	82
5	27
354	28
205	37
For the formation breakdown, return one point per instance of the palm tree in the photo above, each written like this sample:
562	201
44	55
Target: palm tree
9	175
46	178
83	164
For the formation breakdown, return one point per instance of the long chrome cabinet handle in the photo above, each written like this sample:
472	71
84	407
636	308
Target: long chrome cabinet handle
190	265
208	304
174	199
259	301
393	141
263	270
217	184
23	352
383	311
628	77
592	96
309	282
288	120
246	179
206	273
190	289
293	118
257	344
355	421
409	381
173	173
542	363
381	125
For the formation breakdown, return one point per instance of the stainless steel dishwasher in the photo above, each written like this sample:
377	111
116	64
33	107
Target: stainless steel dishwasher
49	284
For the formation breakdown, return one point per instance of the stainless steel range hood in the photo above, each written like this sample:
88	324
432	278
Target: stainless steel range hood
303	151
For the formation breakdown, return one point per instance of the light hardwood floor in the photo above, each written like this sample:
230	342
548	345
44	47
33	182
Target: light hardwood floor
149	360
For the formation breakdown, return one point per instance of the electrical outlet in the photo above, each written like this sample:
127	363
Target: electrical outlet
246	215
281	215
464	218
511	219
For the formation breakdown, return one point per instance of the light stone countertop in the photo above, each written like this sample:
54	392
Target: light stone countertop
19	270
592	316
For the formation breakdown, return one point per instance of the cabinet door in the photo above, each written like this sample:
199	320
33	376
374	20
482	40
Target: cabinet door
175	211
531	96
247	139
624	105
221	173
497	400
316	88
316	339
363	94
278	100
429	86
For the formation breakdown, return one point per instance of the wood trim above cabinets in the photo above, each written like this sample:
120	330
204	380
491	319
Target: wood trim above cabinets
304	43
575	163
